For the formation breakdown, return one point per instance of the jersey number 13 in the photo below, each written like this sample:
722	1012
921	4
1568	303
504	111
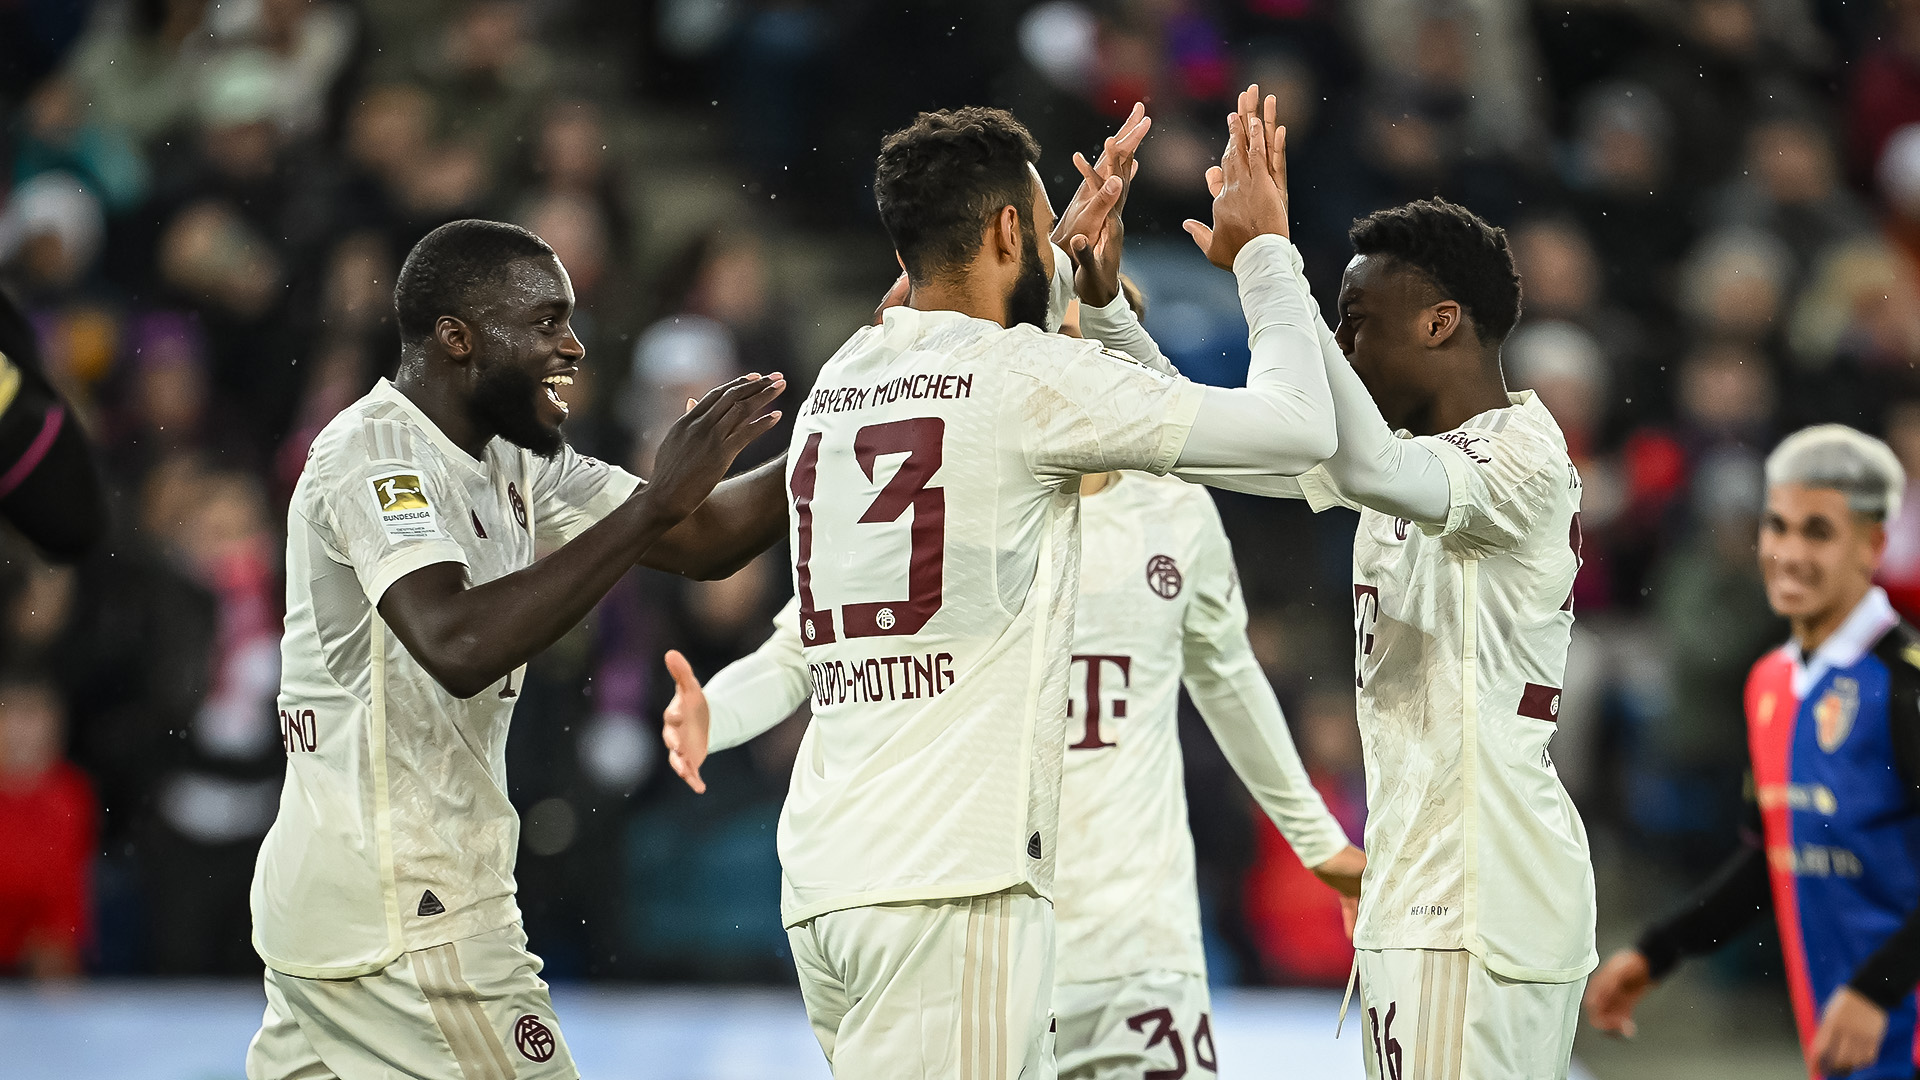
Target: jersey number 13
921	439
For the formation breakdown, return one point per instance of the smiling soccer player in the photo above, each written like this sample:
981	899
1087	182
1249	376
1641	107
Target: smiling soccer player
383	900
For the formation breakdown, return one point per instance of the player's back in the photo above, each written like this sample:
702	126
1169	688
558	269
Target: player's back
935	547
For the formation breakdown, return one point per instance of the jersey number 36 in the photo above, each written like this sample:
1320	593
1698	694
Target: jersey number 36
921	439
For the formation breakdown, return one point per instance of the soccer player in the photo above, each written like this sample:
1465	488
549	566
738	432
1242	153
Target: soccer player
383	898
935	538
1159	606
1476	915
1833	724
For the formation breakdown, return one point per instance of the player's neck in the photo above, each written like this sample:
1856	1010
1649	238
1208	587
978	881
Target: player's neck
443	405
1812	631
963	294
1460	400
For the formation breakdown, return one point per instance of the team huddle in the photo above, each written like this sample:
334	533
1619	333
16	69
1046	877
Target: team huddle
1005	569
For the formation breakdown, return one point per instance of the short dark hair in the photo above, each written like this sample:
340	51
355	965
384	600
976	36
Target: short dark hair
1463	257
450	263
941	179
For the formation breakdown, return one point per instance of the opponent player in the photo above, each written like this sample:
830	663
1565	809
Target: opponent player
1834	727
934	473
1477	912
49	484
383	897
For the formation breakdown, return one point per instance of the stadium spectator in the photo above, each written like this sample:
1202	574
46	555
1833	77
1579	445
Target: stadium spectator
47	822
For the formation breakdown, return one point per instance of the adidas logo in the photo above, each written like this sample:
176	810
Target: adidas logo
1033	846
431	905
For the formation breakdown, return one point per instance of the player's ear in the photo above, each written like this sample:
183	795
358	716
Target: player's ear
1440	322
454	337
1005	234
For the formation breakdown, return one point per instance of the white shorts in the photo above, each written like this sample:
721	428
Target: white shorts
1152	1023
932	989
1441	1015
474	1009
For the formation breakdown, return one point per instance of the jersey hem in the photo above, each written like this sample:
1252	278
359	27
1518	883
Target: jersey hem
1518	973
440	551
793	916
346	971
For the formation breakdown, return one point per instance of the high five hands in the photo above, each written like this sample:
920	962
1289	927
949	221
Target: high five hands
1249	185
1090	229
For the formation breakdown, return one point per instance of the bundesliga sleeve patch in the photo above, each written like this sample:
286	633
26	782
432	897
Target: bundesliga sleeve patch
405	512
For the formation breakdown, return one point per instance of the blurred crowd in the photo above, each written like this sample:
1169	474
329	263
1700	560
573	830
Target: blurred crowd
1714	205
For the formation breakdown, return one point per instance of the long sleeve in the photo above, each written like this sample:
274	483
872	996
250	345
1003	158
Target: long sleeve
1119	329
1890	973
1281	422
1373	466
1721	908
754	693
1234	698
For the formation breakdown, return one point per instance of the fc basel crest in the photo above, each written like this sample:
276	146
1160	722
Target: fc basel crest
1833	714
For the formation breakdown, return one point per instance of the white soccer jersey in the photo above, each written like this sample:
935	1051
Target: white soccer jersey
1159	604
935	538
394	832
1461	637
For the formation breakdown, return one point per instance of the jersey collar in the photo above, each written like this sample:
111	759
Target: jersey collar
386	391
1870	620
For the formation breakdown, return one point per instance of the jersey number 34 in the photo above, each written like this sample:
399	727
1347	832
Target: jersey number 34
921	439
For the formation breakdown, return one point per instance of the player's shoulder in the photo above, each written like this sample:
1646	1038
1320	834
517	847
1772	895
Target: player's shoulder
1774	666
1899	650
1026	342
372	430
1523	434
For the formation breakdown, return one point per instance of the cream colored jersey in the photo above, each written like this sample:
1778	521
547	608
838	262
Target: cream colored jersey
394	832
1159	605
935	538
1461	635
1160	602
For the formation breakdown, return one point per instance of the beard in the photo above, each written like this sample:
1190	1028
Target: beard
505	400
1027	303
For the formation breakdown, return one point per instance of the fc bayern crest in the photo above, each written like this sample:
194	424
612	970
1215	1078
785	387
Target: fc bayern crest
1833	714
534	1038
519	506
1163	576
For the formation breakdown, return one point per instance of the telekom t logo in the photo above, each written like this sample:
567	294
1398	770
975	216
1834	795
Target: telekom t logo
1092	668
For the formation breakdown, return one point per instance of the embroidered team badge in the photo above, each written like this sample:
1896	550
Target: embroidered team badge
1833	714
534	1038
519	506
1163	577
405	513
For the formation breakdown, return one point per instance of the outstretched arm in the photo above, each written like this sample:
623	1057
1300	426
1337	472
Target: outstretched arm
1227	685
470	638
1282	422
745	515
1725	905
746	699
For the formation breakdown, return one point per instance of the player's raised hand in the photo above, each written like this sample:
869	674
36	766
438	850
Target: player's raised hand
1615	989
1090	208
1250	196
1851	1030
701	445
687	723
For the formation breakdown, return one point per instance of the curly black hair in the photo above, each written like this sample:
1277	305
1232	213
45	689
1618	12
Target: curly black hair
941	179
1465	259
450	264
